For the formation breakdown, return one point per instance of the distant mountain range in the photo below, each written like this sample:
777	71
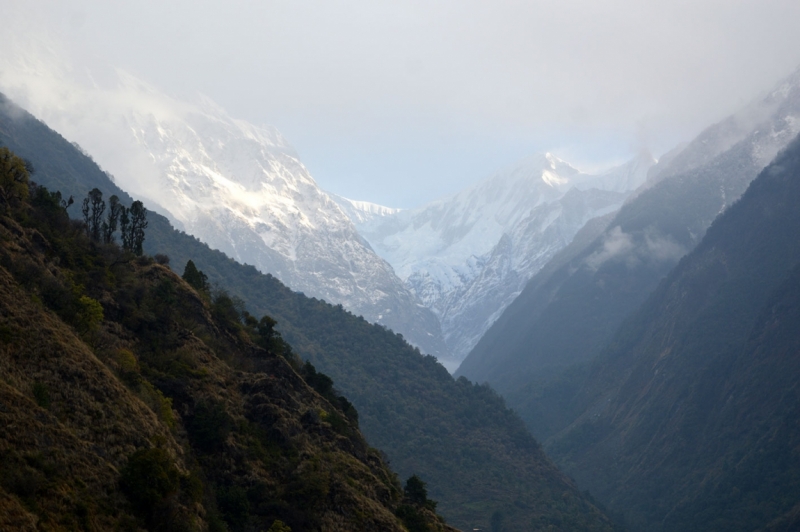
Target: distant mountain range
569	311
468	256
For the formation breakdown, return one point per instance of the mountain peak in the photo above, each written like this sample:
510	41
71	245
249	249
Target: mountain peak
467	256
238	187
361	212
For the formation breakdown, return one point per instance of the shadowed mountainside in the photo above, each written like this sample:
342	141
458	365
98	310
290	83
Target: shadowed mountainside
689	416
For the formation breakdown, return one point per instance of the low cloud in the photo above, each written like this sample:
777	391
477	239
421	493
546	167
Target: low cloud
663	248
616	243
632	250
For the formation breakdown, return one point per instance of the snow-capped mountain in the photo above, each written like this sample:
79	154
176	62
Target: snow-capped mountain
468	256
591	290
362	212
238	187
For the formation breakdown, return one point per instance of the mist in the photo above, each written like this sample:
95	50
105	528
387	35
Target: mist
401	103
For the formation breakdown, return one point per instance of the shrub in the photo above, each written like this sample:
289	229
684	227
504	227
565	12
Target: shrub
279	526
412	518
42	394
232	502
14	173
90	315
209	427
149	479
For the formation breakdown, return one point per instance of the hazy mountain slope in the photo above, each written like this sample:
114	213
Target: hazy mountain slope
475	454
468	256
126	393
690	419
239	188
569	314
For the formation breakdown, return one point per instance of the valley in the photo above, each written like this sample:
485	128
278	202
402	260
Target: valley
197	335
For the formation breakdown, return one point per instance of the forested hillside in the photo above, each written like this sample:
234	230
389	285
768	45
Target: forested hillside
690	416
476	456
130	400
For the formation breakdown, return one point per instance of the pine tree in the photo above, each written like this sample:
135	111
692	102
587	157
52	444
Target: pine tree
138	224
415	490
93	208
110	225
124	227
196	278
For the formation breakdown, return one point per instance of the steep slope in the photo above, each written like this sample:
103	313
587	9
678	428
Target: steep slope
239	188
468	256
569	313
475	454
131	400
690	414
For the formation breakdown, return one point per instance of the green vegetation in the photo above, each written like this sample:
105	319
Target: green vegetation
42	394
149	479
132	222
209	426
196	279
279	526
416	506
13	178
161	407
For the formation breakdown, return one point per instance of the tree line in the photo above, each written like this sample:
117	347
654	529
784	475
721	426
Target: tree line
101	226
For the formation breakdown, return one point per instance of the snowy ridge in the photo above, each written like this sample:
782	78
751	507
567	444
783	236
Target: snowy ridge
361	212
468	256
238	187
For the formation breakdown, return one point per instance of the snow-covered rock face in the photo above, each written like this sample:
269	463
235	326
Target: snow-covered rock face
361	212
238	187
468	256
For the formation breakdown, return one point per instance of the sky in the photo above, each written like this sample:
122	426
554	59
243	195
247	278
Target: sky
402	102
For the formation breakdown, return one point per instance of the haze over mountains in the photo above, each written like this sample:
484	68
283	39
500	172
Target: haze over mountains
640	322
442	273
569	311
688	418
238	187
673	412
468	256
